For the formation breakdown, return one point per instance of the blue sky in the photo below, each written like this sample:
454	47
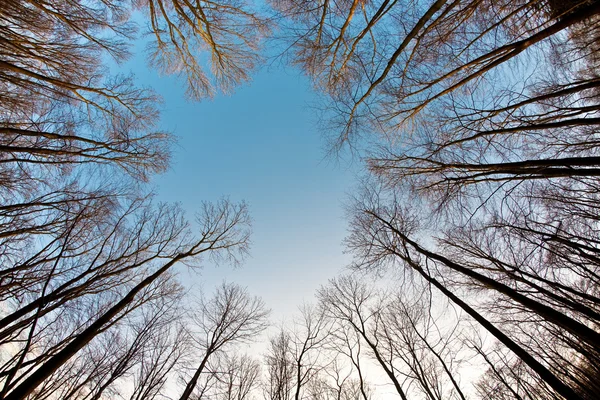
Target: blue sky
261	145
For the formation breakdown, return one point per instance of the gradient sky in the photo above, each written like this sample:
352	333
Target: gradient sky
261	145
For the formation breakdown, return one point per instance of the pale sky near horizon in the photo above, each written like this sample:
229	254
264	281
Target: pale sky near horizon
261	145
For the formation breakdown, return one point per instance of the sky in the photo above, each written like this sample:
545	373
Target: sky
260	145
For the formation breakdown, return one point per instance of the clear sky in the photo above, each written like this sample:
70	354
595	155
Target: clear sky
261	145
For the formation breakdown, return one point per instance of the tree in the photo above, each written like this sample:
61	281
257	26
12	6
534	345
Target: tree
382	233
486	164
404	337
133	348
223	235
349	301
297	357
347	348
280	368
84	250
229	318
382	75
238	377
230	31
60	108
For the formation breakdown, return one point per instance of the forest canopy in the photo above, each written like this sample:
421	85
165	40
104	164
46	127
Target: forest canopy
477	125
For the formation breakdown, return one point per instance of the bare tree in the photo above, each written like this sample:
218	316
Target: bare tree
103	368
488	160
163	356
404	338
346	345
230	31
386	65
231	316
223	234
238	376
279	363
297	356
383	231
84	252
